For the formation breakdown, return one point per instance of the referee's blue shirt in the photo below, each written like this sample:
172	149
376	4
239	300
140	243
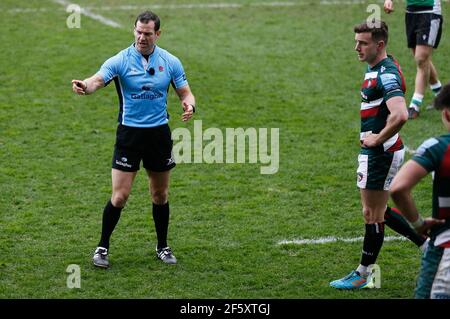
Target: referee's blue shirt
142	86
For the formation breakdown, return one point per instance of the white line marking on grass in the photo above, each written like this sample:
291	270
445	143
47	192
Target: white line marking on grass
342	2
86	10
225	5
28	10
132	7
332	239
91	15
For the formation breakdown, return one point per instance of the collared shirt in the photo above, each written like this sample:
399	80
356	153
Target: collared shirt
381	82
143	85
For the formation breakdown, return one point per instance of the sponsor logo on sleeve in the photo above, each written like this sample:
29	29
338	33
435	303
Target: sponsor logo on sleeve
389	82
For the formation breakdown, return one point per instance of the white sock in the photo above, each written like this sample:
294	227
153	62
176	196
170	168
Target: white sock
362	271
436	87
416	101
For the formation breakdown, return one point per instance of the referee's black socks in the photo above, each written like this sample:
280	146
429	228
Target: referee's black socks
111	216
161	219
398	223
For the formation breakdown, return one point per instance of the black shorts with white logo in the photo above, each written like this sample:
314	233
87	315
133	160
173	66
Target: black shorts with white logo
152	145
423	29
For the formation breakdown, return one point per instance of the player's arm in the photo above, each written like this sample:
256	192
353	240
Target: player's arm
187	102
397	117
409	176
88	86
388	6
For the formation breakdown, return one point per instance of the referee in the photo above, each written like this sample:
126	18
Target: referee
142	74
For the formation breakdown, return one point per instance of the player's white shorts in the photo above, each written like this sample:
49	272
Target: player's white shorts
376	171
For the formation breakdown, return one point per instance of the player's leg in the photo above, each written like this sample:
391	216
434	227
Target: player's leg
411	22
441	283
395	220
374	174
158	162
125	164
374	204
429	267
435	84
422	57
374	200
121	187
392	216
159	190
425	33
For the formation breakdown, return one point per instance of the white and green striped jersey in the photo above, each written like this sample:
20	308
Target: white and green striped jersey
381	82
434	156
423	6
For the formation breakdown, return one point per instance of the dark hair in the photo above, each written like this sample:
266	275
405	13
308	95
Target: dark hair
147	16
378	33
442	100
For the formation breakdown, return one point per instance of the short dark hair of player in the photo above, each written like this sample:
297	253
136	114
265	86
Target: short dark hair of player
442	100
379	33
147	16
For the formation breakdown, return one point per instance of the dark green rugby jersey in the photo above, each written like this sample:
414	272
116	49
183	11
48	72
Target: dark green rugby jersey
434	155
381	82
420	2
422	6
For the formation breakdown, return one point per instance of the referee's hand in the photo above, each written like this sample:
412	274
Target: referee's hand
79	87
188	111
388	6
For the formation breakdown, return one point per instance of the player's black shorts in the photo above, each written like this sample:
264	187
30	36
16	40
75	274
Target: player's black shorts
152	145
423	29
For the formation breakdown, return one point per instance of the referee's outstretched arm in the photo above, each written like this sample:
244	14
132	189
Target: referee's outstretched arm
88	86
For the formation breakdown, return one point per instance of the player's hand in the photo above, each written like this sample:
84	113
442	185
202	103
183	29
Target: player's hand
79	87
388	6
427	224
188	111
370	140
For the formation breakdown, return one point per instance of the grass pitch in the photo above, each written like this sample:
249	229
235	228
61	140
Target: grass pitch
290	67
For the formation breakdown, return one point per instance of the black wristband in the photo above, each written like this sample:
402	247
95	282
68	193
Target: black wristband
193	108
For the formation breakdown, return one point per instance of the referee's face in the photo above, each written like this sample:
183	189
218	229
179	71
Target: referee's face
366	47
145	36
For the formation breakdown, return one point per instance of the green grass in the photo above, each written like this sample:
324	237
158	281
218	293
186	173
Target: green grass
292	68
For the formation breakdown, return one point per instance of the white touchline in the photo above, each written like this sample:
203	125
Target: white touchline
332	239
86	10
91	15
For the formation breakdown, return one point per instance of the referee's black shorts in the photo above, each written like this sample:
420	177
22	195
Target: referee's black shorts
423	29
152	145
